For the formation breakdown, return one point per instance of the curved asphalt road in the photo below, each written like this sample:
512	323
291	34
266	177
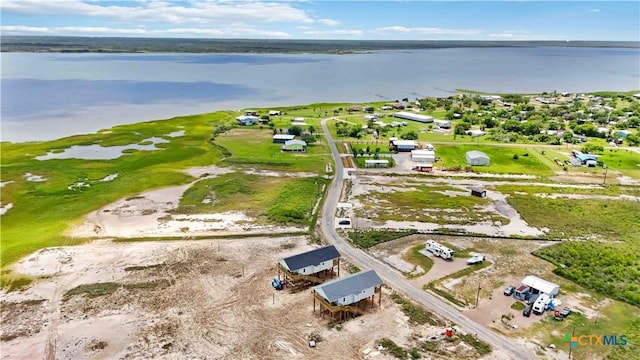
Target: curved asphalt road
391	276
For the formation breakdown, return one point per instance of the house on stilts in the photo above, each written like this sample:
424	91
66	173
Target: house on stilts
349	296
309	268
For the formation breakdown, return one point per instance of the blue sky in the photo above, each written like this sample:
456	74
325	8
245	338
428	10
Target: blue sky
393	20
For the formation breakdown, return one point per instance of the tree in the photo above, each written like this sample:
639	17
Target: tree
275	131
633	140
311	130
531	128
410	135
309	139
295	130
460	128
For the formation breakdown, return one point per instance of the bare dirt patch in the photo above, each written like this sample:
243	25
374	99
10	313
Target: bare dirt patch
187	299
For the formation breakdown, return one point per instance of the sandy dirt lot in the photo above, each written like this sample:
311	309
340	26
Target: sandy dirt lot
185	300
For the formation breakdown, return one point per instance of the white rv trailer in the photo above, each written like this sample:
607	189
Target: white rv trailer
439	250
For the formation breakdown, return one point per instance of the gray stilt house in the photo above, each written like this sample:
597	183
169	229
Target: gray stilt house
348	296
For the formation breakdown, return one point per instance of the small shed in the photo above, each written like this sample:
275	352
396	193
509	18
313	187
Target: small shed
282	138
479	192
423	167
294	145
374	163
477	158
247	120
542	286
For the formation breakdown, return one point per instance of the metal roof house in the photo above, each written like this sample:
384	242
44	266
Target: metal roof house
309	267
294	145
282	138
542	286
343	296
477	158
414	117
247	120
403	145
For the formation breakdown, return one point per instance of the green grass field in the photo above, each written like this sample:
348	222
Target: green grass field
271	199
254	148
502	161
43	211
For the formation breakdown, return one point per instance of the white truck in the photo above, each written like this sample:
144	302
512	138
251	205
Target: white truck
439	250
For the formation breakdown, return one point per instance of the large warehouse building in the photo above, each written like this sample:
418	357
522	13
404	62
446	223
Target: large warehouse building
414	117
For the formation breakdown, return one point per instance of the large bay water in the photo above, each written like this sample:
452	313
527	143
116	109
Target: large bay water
48	96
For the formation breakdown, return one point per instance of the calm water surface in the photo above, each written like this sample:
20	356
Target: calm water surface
48	96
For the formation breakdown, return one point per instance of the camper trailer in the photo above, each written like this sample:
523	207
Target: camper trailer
439	250
541	304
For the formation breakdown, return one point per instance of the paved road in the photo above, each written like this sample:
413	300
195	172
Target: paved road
395	279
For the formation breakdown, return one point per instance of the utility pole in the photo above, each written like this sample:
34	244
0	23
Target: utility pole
478	295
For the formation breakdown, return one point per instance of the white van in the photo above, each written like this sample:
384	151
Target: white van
541	304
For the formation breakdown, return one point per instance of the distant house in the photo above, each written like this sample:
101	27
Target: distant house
298	120
247	120
443	124
354	108
274	113
282	138
584	158
475	133
477	158
374	163
294	145
624	133
250	113
403	145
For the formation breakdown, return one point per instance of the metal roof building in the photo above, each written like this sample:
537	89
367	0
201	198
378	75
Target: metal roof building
477	158
414	117
541	285
349	289
348	296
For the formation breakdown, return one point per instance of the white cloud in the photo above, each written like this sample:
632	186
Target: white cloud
333	33
594	10
207	12
231	32
422	31
522	35
328	22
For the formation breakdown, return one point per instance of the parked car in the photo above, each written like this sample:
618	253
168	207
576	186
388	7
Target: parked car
508	291
532	299
565	312
527	311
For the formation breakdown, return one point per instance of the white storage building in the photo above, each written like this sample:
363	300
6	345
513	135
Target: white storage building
425	156
477	158
541	285
414	117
